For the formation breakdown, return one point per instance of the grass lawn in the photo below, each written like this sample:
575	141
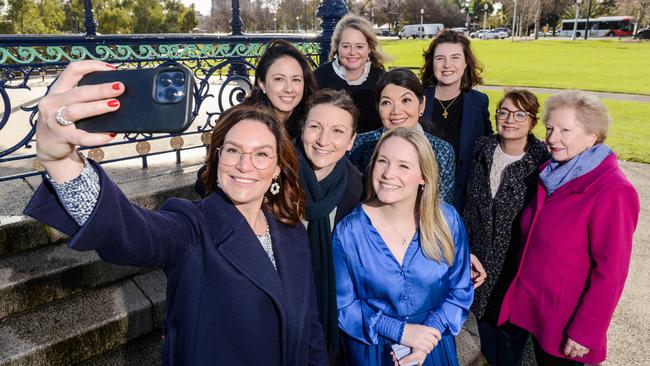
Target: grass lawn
628	135
602	65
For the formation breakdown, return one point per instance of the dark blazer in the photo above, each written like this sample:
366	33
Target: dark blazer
364	95
475	122
493	223
226	303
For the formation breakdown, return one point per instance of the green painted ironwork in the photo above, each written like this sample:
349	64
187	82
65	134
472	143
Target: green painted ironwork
55	54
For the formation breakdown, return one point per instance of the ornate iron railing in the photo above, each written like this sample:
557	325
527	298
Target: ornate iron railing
222	66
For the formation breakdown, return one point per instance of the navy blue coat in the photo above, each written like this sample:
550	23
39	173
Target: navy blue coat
226	303
475	122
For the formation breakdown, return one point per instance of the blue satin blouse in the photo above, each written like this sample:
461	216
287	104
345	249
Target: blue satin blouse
376	296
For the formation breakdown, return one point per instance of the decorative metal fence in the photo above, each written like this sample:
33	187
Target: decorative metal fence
222	67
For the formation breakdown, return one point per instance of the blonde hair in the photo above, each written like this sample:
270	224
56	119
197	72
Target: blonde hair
589	109
377	57
435	237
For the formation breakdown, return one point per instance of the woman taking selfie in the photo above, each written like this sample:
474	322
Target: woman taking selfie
454	111
239	278
577	234
333	188
400	101
402	261
283	82
356	63
502	181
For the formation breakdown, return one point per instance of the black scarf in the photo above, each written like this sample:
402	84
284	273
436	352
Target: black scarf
322	198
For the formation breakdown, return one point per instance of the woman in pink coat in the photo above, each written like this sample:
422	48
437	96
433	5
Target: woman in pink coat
578	238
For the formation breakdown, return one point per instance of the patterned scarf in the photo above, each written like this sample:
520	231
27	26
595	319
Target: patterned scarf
557	174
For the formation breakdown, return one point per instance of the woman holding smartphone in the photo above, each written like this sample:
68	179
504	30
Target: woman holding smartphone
239	277
402	261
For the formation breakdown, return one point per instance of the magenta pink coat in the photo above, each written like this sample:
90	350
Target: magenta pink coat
574	261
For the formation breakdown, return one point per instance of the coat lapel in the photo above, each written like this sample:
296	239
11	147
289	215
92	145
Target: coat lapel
237	242
467	125
292	269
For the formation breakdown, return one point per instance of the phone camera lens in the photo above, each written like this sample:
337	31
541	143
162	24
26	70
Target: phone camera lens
178	78
165	80
170	94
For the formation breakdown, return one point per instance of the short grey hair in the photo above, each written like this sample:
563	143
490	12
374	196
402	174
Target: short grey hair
590	111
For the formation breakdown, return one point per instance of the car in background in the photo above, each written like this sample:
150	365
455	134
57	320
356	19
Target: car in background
500	34
420	30
504	29
462	30
483	34
642	34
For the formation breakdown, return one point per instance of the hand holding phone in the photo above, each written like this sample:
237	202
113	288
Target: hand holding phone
401	351
154	100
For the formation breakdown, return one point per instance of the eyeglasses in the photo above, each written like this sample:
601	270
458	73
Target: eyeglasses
230	155
519	115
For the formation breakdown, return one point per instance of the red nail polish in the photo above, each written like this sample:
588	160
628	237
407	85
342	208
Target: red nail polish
113	103
116	86
112	134
110	66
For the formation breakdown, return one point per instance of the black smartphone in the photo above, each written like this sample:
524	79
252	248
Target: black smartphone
155	100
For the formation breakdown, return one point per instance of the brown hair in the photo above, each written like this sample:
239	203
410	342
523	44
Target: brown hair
363	25
274	51
590	111
524	99
472	74
337	98
289	205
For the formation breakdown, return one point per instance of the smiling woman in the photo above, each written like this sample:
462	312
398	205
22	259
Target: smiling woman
356	62
402	262
239	251
401	102
333	188
454	111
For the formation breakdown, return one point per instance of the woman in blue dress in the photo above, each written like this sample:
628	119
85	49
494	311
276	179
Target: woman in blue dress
402	261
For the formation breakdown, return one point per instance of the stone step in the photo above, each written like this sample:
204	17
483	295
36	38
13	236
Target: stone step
76	328
33	278
142	351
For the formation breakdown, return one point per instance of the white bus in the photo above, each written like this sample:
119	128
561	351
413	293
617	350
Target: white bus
619	26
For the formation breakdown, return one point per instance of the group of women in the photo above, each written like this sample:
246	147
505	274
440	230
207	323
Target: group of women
385	171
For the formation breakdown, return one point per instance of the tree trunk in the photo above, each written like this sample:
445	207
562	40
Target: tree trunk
538	12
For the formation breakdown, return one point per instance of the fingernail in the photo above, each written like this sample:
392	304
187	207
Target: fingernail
113	103
116	86
112	134
110	66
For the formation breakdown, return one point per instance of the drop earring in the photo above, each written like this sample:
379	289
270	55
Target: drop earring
275	186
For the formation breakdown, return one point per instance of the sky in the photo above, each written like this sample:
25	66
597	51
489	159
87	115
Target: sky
201	5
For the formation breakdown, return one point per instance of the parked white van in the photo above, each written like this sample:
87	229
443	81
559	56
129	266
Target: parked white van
420	30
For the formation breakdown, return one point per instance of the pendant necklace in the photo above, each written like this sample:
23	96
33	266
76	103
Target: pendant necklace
445	114
393	227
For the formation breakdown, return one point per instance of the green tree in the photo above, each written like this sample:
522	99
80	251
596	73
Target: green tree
115	19
148	16
52	15
189	21
24	17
